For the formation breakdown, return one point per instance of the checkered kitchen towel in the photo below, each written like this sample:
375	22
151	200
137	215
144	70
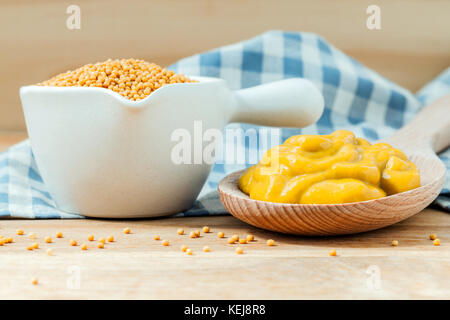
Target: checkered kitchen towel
356	99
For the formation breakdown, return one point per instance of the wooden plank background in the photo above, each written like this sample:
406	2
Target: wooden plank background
411	48
137	267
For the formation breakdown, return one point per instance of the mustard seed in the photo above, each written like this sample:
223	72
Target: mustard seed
83	247
20	232
433	236
91	237
59	235
165	243
49	251
205	229
437	242
395	243
131	78
332	253
34	281
242	241
102	240
110	239
189	252
239	250
101	245
48	239
73	243
157	237
250	237
206	249
270	242
184	248
220	234
32	235
180	231
127	231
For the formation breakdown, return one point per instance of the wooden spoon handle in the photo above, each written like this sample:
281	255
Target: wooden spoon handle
429	130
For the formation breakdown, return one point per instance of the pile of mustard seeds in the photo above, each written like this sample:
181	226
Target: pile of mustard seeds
131	78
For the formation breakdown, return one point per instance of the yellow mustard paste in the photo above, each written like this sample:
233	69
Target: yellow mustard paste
335	168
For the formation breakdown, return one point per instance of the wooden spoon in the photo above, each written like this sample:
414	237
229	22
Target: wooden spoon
429	132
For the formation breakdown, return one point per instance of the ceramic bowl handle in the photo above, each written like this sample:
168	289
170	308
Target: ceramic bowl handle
287	103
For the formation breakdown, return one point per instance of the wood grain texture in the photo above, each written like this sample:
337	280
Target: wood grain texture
428	132
411	48
137	267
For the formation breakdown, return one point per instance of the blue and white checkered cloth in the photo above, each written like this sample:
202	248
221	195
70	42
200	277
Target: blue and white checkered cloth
356	99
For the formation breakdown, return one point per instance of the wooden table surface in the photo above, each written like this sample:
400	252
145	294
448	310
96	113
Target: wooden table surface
136	266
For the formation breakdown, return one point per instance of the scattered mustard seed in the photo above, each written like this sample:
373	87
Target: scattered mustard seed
84	246
91	237
437	242
34	281
395	243
73	243
32	235
332	253
192	235
184	248
231	240
127	230
101	245
270	242
102	240
10	240
48	239
35	245
250	237
243	241
20	232
197	233
189	252
165	243
220	234
206	249
239	250
59	235
157	237
110	239
205	229
180	231
433	236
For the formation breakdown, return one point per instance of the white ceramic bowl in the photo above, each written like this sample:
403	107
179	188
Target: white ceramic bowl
103	155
